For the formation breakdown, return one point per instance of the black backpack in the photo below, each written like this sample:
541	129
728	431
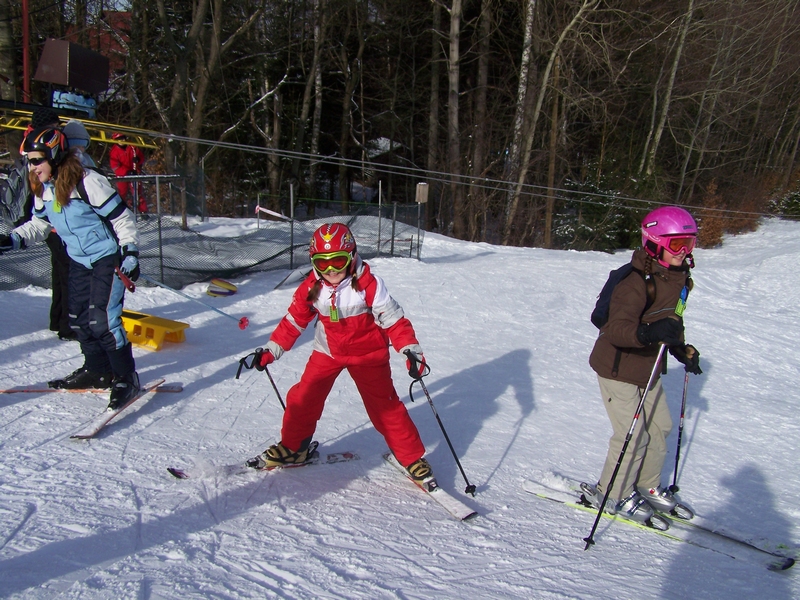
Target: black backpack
601	308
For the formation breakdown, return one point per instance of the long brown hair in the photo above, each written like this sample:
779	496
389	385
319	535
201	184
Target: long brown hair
67	175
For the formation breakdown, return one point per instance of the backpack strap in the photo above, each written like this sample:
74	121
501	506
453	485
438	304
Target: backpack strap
650	290
85	197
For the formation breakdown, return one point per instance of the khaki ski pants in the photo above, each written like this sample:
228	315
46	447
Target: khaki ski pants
644	458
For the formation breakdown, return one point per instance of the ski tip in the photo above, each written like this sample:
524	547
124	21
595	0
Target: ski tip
172	388
178	473
782	564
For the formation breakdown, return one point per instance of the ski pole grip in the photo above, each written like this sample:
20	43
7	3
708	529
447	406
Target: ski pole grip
126	281
413	369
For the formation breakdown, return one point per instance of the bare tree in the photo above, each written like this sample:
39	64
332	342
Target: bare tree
8	68
453	125
432	158
653	147
586	7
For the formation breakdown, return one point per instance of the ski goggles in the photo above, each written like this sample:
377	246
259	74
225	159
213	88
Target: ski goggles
331	262
676	245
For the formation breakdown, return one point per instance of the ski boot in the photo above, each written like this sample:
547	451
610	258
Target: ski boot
633	508
663	501
82	379
279	456
124	390
592	497
420	471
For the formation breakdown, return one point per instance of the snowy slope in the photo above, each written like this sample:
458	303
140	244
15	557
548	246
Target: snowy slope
507	334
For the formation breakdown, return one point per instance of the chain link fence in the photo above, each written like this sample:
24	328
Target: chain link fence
178	257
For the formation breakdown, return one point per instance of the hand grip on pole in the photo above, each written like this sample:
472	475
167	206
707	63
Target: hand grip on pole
126	281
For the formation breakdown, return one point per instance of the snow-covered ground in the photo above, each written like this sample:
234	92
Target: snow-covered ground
507	334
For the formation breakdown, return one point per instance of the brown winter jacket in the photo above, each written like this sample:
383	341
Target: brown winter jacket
628	301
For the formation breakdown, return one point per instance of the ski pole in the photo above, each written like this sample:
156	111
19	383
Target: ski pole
470	489
126	281
674	487
590	540
243	322
243	365
275	387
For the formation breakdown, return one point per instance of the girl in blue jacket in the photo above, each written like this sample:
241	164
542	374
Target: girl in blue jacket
99	233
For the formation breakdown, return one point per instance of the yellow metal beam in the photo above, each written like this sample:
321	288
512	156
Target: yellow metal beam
98	131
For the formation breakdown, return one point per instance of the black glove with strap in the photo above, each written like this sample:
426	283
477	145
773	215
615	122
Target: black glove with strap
11	242
665	331
688	356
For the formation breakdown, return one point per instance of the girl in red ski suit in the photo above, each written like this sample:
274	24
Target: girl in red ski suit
356	320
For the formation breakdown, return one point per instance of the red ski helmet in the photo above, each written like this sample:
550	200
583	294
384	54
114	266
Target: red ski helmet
49	141
332	237
669	228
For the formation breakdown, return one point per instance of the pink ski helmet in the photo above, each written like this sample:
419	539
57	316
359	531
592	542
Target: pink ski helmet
668	228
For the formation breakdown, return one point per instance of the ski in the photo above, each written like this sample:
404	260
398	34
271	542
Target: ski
172	388
96	425
680	530
452	505
251	464
782	559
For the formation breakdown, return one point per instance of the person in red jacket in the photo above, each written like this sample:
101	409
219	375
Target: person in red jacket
127	160
356	320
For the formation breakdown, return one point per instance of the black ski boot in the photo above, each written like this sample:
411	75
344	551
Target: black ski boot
123	390
82	379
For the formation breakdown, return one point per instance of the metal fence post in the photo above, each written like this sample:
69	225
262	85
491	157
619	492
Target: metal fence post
380	194
160	241
421	198
394	223
291	225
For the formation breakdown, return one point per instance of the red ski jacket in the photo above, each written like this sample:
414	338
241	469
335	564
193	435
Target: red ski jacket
353	319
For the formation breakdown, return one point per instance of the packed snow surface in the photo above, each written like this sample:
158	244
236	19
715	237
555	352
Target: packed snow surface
507	334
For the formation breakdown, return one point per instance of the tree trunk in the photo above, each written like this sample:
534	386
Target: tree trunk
352	72
477	195
453	137
433	116
523	102
551	165
8	81
651	155
586	6
317	119
311	78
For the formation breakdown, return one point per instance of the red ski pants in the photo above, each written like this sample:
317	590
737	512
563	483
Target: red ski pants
373	378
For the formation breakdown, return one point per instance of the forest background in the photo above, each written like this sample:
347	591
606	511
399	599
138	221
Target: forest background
553	123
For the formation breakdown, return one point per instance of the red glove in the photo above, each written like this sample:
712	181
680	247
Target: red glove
262	359
416	365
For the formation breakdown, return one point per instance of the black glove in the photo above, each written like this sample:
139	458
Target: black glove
11	242
689	356
667	331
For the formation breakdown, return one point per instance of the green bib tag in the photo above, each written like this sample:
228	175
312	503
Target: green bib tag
682	301
334	315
